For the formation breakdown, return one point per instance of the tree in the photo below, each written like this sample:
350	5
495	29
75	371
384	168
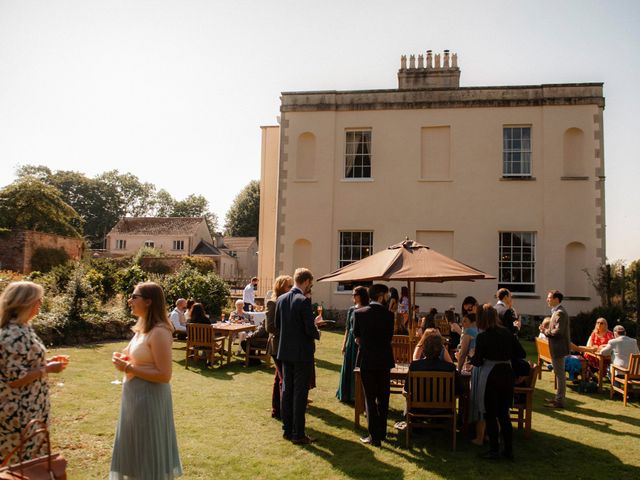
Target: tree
243	217
133	198
33	205
192	206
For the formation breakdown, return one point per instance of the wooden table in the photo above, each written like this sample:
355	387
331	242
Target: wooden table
228	330
399	372
602	371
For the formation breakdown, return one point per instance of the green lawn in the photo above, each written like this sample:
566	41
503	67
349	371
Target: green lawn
225	429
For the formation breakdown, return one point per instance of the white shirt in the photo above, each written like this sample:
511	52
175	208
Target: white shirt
621	347
177	319
249	295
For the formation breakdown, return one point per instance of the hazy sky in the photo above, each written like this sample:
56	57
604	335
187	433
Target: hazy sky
175	91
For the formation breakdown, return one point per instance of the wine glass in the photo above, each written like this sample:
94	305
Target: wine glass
117	377
62	359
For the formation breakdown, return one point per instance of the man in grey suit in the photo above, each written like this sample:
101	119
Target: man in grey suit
298	333
559	345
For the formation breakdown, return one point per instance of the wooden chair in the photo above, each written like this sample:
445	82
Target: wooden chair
402	346
257	348
442	324
544	354
522	409
630	377
200	338
431	395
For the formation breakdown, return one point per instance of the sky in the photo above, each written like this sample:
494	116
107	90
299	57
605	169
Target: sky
175	92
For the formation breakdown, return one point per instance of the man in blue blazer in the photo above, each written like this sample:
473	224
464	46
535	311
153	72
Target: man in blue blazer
298	333
373	331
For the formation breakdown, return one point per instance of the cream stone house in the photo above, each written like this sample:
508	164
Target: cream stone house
173	236
508	179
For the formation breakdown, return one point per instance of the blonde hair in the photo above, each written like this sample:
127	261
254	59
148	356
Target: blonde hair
157	313
17	301
280	284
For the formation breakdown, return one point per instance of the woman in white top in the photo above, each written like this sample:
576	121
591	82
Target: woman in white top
145	445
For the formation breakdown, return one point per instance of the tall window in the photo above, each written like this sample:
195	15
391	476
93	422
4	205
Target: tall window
517	261
121	244
353	246
516	151
357	157
178	245
150	244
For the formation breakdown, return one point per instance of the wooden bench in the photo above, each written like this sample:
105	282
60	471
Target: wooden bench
544	354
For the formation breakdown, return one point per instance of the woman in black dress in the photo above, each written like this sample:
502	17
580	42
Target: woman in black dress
495	348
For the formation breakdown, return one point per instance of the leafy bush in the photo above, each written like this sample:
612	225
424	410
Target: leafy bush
202	264
44	259
158	266
208	289
8	276
107	270
128	278
582	324
145	252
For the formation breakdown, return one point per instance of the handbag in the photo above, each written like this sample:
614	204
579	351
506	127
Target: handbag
48	467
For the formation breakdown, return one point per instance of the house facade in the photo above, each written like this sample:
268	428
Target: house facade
176	236
245	250
508	179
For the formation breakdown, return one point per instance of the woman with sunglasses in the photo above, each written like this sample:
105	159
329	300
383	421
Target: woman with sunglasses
145	445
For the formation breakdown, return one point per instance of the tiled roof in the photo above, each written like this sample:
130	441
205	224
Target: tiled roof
206	248
238	243
158	225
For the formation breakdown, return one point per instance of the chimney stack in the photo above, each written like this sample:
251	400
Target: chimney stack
429	74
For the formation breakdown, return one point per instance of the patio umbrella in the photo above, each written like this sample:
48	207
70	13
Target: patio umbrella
407	261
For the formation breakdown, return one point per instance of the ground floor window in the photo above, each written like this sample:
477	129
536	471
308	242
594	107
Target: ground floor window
353	246
517	261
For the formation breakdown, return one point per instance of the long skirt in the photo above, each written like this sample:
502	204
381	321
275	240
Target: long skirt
145	446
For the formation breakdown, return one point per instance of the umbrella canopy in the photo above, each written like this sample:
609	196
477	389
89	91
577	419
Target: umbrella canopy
408	261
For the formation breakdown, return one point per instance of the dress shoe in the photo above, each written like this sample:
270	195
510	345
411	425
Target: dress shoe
490	455
508	455
370	441
287	437
553	404
306	440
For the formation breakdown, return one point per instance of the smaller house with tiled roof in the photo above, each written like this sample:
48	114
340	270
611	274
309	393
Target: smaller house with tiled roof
170	235
174	236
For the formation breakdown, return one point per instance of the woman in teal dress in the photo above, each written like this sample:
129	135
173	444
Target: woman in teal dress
346	388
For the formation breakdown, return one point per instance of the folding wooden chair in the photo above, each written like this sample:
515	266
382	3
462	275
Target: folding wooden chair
402	346
431	395
257	348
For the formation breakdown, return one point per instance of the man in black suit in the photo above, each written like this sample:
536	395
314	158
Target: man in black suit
298	332
373	331
506	313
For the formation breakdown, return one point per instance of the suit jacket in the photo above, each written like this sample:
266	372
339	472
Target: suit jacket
373	325
507	317
559	334
295	322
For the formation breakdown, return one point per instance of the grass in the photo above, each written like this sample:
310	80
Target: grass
225	430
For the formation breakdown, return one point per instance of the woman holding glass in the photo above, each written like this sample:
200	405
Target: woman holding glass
24	392
145	445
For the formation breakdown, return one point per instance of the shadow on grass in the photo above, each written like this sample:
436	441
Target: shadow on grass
223	372
325	365
346	453
598	419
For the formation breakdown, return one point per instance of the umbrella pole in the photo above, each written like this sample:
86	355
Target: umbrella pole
412	301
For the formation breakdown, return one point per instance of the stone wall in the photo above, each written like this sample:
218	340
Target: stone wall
17	248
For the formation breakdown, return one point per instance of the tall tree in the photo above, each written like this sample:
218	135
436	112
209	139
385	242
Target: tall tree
33	205
243	217
133	197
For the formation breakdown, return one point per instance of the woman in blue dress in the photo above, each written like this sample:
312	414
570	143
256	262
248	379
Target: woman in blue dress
145	446
346	388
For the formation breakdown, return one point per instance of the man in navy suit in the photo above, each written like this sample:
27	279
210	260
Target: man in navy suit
298	333
373	331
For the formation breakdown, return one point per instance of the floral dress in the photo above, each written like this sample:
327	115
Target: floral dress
20	351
